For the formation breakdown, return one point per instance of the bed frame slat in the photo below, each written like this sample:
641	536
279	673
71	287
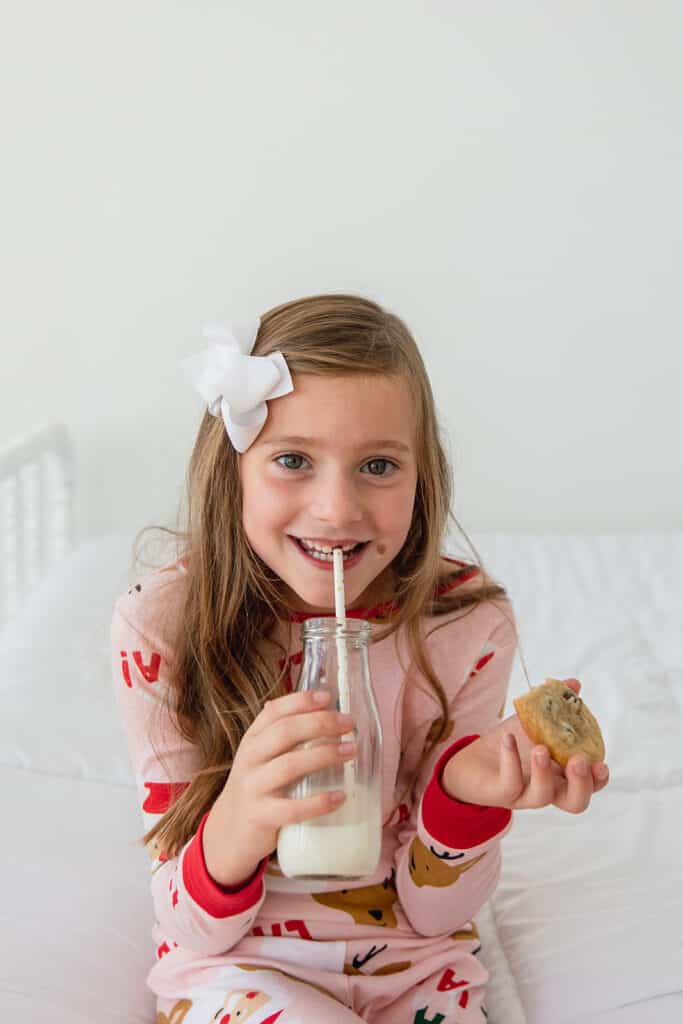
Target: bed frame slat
37	487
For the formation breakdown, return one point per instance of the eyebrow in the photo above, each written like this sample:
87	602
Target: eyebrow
311	442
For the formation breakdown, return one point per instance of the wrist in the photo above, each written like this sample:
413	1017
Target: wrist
220	901
229	865
447	815
450	781
453	772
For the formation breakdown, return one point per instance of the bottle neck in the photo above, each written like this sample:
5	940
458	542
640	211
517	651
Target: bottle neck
351	632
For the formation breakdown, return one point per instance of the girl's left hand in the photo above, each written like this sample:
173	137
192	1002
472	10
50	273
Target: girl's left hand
521	775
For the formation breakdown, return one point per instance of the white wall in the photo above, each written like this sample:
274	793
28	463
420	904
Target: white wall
504	176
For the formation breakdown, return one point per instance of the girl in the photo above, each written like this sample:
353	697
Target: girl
321	432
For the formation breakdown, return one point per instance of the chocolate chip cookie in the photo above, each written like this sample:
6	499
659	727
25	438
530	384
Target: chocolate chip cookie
555	715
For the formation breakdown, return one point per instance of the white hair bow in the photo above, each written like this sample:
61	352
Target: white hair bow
235	384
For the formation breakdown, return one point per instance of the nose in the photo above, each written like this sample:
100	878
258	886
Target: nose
336	501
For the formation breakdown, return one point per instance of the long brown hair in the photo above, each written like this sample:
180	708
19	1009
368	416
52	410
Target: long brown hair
221	675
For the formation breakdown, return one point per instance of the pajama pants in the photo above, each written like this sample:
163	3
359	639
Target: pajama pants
447	987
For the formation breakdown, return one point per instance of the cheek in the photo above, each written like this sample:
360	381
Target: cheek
266	504
394	516
254	511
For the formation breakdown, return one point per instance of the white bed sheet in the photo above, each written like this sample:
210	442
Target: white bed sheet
75	916
585	927
589	908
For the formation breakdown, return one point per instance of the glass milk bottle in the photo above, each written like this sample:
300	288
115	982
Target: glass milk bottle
344	844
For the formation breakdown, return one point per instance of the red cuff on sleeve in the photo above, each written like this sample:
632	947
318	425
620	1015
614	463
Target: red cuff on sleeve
455	824
218	900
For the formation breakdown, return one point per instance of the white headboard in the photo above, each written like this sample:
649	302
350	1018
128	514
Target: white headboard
37	484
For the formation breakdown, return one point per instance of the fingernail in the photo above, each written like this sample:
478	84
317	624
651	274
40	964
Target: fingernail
346	748
509	741
542	757
581	768
602	771
321	696
338	796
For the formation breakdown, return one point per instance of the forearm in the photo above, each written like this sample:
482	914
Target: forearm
454	778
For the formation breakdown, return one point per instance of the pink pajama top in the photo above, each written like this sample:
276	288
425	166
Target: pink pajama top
440	858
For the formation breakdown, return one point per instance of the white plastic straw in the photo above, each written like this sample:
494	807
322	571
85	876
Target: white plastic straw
343	674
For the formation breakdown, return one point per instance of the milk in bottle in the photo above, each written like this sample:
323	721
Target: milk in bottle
344	844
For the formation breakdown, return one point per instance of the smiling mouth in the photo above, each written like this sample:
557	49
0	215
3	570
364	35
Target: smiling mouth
323	554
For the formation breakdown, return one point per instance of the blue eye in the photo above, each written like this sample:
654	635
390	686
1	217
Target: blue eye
289	457
379	463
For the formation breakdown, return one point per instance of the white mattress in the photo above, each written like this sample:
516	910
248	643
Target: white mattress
585	926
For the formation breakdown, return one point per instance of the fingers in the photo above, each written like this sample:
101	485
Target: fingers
290	704
600	774
296	730
290	724
542	782
284	771
290	812
536	789
570	789
579	788
510	771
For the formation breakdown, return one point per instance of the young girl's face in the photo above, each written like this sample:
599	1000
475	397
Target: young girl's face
334	464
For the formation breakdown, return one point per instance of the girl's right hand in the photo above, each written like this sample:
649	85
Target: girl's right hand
243	823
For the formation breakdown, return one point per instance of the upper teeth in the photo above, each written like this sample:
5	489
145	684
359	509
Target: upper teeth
323	549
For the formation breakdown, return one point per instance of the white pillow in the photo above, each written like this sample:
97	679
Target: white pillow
606	609
58	710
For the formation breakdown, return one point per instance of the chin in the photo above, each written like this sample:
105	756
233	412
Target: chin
319	602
